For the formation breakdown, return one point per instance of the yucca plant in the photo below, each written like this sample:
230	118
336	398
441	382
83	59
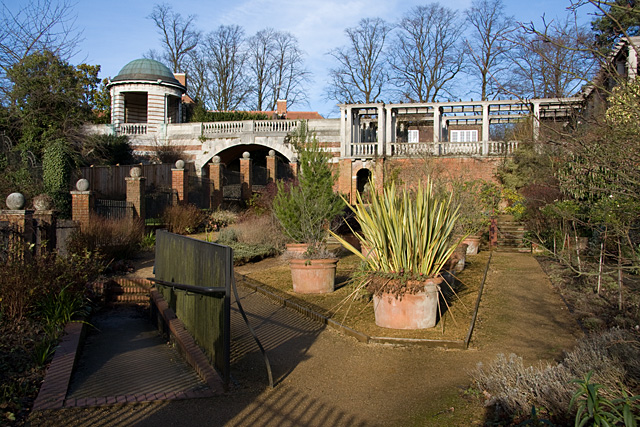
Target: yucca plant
407	234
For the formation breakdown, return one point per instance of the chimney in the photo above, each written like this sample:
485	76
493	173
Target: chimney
281	108
182	78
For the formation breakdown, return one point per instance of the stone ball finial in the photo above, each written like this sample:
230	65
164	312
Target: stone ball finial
15	201
42	202
246	155
82	185
135	172
216	159
180	164
272	153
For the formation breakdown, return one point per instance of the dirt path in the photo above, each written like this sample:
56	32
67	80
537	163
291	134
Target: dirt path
329	379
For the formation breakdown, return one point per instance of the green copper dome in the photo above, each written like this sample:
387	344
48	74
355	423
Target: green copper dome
146	69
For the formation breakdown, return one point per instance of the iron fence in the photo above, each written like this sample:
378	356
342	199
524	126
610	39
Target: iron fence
156	202
114	209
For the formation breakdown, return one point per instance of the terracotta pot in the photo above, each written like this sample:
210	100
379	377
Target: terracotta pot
313	276
366	250
457	260
297	248
474	244
413	311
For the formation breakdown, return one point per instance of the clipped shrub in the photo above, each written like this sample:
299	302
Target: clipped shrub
613	356
261	230
227	236
221	218
183	219
113	239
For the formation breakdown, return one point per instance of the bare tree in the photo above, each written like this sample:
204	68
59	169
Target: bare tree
275	68
36	26
289	72
362	72
488	43
553	62
198	78
427	52
261	46
225	60
177	35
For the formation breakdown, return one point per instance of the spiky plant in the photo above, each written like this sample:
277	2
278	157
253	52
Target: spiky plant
406	234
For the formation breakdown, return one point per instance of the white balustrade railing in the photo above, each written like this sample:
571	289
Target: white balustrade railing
274	125
132	129
256	126
411	149
221	127
476	148
502	148
364	149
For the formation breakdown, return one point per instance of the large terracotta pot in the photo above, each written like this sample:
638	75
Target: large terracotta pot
474	244
413	311
313	276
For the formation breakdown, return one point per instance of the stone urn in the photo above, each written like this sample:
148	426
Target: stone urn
313	276
42	202
410	311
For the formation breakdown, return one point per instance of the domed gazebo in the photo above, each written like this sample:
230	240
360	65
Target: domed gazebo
145	94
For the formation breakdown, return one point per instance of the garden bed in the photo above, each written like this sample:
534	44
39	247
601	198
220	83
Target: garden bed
357	313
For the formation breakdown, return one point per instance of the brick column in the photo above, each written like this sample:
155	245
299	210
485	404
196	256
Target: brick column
293	165
20	220
180	182
216	170
81	203
378	175
135	192
271	167
245	175
344	179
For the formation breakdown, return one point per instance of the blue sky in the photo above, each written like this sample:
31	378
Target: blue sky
117	31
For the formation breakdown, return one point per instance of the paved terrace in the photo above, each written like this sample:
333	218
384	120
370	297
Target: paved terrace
322	377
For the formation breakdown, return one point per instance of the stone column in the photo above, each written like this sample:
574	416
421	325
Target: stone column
135	192
245	176
216	170
382	131
485	128
348	137
437	125
389	129
271	167
82	203
536	120
180	182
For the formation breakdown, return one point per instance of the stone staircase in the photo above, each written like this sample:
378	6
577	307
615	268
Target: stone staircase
510	235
